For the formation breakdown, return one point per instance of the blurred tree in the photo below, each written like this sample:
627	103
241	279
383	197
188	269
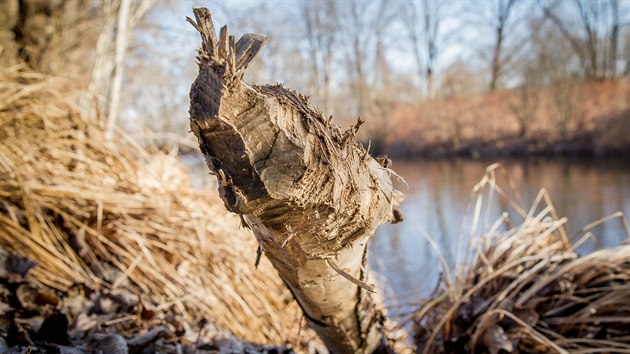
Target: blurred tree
57	37
120	17
551	57
460	78
366	35
158	70
422	20
524	104
449	124
592	28
501	20
552	64
565	98
49	36
504	10
360	36
8	20
320	22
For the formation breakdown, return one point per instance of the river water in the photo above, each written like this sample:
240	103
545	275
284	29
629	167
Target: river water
436	201
439	193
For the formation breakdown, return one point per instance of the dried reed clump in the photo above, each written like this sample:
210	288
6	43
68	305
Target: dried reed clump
111	215
526	291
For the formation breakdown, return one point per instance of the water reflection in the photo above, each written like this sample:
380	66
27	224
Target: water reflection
439	193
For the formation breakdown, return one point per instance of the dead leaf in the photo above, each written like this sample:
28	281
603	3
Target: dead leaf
495	339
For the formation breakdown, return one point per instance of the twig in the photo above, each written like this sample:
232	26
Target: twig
352	279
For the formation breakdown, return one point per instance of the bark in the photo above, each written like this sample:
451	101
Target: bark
9	10
311	195
119	19
504	10
496	60
41	34
122	42
595	38
614	39
104	62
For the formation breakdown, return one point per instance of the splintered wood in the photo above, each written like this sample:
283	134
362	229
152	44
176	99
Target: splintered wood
310	193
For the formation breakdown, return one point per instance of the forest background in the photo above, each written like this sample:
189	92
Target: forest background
432	78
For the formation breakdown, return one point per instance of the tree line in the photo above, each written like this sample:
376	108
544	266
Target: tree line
354	58
363	58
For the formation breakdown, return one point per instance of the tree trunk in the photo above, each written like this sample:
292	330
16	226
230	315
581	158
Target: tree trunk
9	11
614	39
496	60
309	192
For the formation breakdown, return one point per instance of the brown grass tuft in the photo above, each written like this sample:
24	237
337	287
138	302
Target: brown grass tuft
525	290
112	215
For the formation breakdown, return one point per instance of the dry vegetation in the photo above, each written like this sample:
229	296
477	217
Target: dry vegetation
98	209
525	290
113	216
519	122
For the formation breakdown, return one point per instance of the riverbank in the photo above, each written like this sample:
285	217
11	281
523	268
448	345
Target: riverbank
577	119
583	146
438	198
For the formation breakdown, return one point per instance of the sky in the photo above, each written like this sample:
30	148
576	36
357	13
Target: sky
173	44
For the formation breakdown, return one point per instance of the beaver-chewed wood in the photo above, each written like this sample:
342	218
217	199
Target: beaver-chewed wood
310	193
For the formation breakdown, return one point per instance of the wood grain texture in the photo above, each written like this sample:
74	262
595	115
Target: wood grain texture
310	193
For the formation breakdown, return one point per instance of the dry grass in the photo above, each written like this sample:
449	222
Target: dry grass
487	117
525	290
112	215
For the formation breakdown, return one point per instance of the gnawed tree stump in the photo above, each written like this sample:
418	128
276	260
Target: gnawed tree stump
311	194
